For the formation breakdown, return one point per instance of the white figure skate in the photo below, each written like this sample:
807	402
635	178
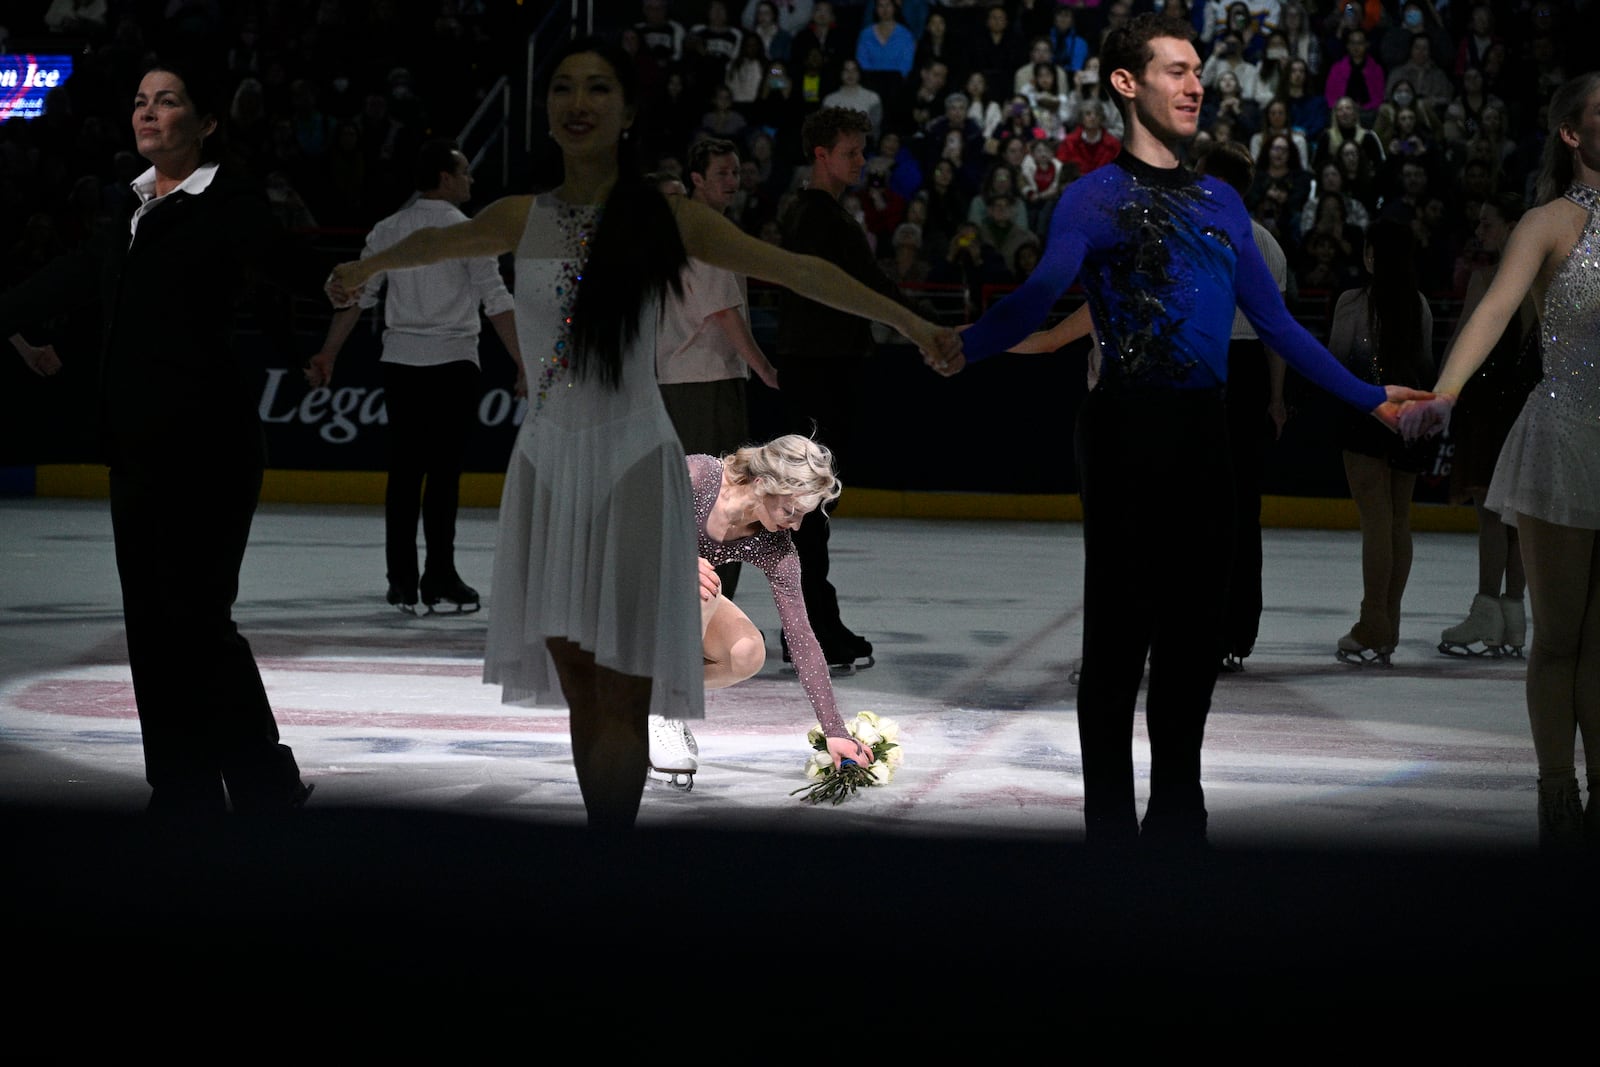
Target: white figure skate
673	751
1349	650
1481	633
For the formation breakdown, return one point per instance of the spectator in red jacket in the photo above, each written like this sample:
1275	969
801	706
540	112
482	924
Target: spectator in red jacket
1091	145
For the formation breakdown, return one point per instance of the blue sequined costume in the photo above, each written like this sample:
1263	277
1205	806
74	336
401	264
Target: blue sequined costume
1165	256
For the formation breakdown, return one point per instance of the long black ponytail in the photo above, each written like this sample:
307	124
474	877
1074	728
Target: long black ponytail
636	255
1394	306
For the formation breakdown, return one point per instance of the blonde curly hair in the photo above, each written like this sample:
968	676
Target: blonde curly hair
791	465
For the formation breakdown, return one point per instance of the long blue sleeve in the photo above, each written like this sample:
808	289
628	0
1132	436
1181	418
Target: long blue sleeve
1262	304
1164	256
1024	310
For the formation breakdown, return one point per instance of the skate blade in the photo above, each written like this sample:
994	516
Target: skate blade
1451	648
406	609
446	607
672	777
1510	651
1365	658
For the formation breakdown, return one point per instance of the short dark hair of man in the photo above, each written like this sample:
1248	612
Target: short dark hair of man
1230	162
704	149
1129	48
434	159
823	128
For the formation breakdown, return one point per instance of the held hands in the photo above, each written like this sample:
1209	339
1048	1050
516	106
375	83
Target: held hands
843	748
1400	398
710	583
1426	418
942	351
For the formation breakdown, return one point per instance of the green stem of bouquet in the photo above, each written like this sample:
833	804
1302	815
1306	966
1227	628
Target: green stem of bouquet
837	786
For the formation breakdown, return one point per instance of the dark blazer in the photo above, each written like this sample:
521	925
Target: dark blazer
169	375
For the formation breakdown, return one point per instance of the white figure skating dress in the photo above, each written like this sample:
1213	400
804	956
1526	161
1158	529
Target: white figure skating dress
597	535
1550	465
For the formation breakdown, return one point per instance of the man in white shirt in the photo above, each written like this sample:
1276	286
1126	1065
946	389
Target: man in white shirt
430	364
704	349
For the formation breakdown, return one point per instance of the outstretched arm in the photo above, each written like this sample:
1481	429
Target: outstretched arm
1074	326
1526	253
493	232
1262	303
1012	320
784	577
709	237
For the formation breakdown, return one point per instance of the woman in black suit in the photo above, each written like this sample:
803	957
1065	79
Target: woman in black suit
185	449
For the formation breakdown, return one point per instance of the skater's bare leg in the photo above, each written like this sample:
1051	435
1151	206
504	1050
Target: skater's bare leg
1516	576
732	646
1496	550
1564	658
609	748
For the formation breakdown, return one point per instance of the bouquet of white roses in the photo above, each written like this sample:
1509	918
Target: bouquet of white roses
834	784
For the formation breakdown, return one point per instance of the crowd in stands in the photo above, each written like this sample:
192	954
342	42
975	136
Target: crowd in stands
983	112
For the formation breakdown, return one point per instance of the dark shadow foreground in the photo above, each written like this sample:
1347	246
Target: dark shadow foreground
384	924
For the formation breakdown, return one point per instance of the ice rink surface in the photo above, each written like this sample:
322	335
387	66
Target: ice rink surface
1373	829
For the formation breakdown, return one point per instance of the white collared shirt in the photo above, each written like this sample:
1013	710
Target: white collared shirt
431	313
144	187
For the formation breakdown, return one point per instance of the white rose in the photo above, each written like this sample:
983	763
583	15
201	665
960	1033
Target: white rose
882	773
867	716
819	764
892	757
867	734
889	729
815	736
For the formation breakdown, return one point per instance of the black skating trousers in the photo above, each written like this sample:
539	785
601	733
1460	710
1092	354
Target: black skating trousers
1158	515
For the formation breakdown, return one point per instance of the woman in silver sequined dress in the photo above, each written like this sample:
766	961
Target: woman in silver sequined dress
594	557
1547	480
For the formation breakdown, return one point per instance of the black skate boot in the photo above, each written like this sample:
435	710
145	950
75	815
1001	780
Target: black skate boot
448	595
403	597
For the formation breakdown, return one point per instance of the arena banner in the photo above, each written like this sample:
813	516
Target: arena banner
1004	427
25	81
344	426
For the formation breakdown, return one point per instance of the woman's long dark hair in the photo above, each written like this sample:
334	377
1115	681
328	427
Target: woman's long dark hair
1394	307
1566	109
636	255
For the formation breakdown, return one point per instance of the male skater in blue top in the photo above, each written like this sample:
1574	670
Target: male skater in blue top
1164	255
